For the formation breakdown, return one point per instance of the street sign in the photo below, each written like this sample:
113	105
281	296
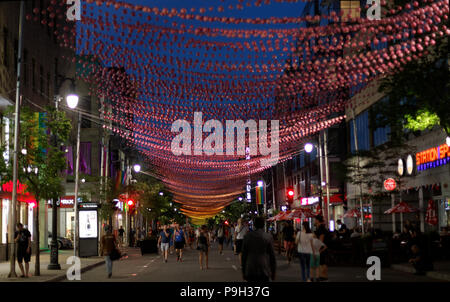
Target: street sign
390	184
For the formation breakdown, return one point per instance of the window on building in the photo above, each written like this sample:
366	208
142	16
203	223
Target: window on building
5	47
48	84
86	105
55	66
16	54
85	157
41	80
380	134
33	74
25	67
362	132
350	10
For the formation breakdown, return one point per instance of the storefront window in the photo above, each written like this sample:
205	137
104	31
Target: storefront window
30	221
5	210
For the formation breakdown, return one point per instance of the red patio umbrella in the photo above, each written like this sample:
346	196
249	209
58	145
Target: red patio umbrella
353	213
301	213
402	207
284	215
276	217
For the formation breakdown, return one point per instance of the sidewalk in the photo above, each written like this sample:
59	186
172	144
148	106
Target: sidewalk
441	269
48	275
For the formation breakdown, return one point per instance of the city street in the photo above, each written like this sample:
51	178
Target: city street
223	268
315	126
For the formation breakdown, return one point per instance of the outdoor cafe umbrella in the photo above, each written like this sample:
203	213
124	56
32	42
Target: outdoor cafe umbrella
352	213
277	217
301	213
401	208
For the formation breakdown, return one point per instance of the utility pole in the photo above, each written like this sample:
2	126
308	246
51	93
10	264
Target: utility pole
327	174
360	183
324	208
77	179
13	208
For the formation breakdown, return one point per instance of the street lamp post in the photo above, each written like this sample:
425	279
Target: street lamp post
71	100
308	148
13	207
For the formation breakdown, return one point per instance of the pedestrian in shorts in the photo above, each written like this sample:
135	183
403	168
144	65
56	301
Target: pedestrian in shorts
23	239
319	247
163	242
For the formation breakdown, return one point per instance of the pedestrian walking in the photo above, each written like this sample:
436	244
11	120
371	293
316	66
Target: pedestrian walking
232	239
107	246
304	241
227	235
170	229
132	237
163	242
23	239
240	232
258	256
191	237
323	234
221	237
121	232
289	240
203	243
318	247
179	241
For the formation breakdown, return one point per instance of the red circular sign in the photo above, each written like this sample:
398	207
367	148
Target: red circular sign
389	184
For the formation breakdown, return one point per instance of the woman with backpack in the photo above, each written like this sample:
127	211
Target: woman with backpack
179	241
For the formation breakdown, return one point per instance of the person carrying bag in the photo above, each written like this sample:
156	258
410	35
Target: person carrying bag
109	249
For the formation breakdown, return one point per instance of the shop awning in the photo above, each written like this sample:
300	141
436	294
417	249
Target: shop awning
335	198
20	197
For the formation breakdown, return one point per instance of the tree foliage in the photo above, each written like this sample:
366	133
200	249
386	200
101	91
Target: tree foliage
41	135
419	92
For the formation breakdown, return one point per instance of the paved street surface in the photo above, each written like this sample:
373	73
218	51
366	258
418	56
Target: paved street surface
223	268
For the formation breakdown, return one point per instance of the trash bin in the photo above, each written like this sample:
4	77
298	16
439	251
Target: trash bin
149	246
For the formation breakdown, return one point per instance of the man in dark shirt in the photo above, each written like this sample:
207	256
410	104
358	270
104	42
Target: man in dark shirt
258	256
323	234
23	239
121	232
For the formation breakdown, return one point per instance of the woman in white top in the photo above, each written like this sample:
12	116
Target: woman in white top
240	232
305	247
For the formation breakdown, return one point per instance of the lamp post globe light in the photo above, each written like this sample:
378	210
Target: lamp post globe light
72	100
137	168
309	147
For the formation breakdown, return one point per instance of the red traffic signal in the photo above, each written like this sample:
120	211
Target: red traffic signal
130	203
226	222
290	194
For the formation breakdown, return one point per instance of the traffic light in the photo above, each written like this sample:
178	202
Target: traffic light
226	222
130	204
290	194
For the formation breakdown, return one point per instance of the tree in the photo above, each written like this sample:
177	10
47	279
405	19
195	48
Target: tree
43	156
232	213
419	92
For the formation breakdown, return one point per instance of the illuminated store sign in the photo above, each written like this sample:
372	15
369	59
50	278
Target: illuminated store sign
306	201
433	157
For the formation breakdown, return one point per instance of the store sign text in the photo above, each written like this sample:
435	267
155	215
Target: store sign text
306	201
433	157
